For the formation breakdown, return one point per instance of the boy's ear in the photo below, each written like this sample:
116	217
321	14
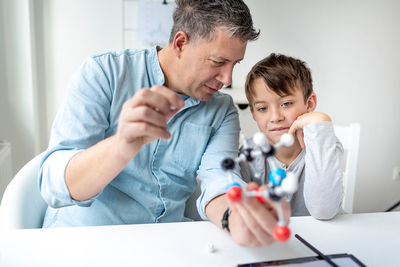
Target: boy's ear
181	39
311	102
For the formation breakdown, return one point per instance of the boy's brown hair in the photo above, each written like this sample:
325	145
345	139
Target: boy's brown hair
282	74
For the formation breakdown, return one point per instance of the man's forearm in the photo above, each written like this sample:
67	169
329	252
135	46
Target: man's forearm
89	171
216	208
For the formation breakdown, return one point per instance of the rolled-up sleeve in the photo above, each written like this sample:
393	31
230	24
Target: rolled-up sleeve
223	144
52	182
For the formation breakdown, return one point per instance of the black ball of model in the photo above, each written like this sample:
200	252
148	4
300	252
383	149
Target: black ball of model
228	164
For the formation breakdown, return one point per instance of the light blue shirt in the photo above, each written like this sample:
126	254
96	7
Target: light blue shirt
155	184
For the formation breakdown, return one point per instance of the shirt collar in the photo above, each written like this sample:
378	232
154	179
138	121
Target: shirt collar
155	73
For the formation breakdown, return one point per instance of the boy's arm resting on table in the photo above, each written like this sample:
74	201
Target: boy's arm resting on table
323	184
323	189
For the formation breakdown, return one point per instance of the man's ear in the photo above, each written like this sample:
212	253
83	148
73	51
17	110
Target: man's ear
311	102
181	39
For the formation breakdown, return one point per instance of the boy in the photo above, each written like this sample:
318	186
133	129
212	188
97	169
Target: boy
280	93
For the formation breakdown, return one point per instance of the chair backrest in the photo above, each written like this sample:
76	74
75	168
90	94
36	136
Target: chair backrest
191	207
22	205
349	135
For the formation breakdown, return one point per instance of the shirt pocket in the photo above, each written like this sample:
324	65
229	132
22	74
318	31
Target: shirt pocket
191	145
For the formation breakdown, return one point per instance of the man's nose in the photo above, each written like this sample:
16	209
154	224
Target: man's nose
225	75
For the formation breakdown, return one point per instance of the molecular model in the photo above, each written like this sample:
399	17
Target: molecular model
281	183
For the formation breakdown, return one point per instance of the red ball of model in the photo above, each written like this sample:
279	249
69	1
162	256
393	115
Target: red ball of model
234	194
260	198
281	233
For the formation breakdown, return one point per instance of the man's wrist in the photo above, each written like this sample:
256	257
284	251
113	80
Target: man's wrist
225	220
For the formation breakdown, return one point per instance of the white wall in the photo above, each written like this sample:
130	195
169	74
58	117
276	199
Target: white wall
72	31
2	66
17	116
42	42
350	46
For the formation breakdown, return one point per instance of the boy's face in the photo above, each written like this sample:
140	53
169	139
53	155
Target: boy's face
275	114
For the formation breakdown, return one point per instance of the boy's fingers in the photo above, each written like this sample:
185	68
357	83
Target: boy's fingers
300	137
297	130
293	128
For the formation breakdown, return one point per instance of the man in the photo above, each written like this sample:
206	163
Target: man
137	126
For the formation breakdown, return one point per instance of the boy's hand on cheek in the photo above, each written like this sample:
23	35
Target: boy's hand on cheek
307	118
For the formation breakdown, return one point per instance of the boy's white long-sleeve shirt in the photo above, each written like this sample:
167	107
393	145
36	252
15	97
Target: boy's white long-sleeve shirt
319	169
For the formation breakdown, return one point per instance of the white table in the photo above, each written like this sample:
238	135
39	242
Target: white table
373	238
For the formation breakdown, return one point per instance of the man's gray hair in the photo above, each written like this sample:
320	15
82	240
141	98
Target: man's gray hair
199	19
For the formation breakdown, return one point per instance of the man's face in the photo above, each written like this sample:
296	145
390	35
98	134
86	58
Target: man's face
206	66
275	114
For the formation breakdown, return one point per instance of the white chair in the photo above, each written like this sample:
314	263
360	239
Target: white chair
191	207
349	135
22	206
